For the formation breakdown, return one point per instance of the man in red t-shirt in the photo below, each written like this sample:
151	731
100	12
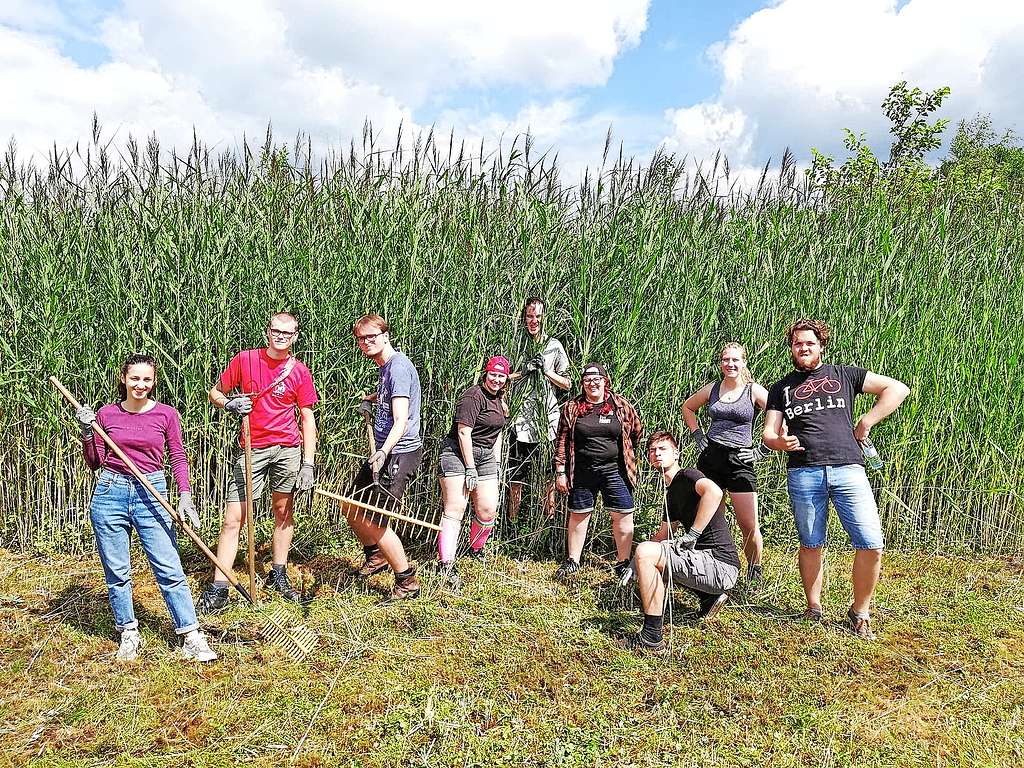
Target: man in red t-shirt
269	385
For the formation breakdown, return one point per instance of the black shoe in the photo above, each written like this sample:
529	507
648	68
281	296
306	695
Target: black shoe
449	576
620	568
213	599
277	581
710	605
637	642
755	573
477	554
567	570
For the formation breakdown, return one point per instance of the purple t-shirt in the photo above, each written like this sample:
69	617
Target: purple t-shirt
143	437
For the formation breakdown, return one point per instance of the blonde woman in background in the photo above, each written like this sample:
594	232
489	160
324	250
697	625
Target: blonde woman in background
727	452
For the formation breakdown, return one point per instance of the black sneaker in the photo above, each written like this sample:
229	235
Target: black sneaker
277	581
477	554
213	599
567	570
620	568
449	576
637	642
755	573
710	605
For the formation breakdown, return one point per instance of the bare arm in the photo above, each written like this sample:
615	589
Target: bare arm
400	413
217	397
891	394
694	403
710	499
760	396
308	426
775	435
465	433
562	382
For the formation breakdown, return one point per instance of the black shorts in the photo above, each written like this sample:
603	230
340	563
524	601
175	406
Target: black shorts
522	458
398	471
722	466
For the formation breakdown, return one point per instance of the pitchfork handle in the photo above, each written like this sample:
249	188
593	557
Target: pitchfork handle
156	494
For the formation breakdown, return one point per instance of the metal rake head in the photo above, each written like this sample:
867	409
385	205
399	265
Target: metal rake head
297	641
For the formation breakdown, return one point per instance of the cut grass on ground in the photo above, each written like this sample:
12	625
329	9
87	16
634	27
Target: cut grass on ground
519	670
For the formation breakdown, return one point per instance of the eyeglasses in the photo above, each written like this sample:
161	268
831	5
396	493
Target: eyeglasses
281	334
592	379
369	338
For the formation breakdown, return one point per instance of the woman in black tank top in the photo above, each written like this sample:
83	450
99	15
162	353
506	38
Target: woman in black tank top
728	452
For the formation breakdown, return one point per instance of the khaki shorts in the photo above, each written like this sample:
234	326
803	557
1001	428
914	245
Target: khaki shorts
280	463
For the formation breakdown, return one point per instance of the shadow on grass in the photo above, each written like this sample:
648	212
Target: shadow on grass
87	609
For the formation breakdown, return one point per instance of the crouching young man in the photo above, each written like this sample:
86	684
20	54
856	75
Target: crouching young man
701	556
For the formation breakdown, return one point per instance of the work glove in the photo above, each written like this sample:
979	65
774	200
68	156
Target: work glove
699	439
238	405
377	462
304	480
629	574
472	478
365	408
187	510
688	540
750	455
535	363
86	417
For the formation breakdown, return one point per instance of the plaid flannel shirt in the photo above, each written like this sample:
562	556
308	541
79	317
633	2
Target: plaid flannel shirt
632	435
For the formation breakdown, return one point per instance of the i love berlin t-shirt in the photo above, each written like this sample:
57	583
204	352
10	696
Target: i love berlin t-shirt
817	407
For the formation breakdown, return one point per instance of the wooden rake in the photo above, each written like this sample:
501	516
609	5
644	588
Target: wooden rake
296	641
376	501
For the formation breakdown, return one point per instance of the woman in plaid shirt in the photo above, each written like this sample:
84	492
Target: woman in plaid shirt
595	454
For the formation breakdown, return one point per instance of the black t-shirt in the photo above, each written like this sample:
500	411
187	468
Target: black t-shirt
682	508
597	437
482	411
817	406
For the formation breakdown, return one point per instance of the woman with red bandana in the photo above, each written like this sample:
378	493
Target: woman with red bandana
595	454
469	459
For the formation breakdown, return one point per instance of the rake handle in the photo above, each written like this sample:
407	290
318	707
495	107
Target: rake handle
155	493
251	543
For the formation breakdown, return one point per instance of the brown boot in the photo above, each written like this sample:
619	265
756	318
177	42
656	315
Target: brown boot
375	562
407	586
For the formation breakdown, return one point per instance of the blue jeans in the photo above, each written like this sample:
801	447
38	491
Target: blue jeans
811	488
120	503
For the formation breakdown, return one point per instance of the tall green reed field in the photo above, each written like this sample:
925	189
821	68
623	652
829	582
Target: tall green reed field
648	269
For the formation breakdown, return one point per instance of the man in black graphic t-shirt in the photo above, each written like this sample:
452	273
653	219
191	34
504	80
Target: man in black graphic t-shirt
810	415
702	557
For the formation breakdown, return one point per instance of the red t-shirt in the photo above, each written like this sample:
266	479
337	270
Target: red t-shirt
273	420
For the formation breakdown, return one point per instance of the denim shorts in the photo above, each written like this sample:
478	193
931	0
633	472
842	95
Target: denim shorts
811	488
607	480
451	465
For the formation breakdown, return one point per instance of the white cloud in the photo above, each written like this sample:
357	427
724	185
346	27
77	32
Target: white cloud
314	66
795	74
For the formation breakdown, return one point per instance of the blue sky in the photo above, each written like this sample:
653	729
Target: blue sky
743	77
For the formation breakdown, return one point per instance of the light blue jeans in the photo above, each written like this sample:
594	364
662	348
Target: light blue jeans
811	488
119	504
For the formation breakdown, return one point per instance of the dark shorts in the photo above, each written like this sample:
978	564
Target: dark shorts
722	466
450	462
522	458
609	481
398	471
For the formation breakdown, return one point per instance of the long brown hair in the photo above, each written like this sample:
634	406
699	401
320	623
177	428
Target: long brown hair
136	359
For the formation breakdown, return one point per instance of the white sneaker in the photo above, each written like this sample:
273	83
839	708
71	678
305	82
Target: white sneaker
195	647
131	641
